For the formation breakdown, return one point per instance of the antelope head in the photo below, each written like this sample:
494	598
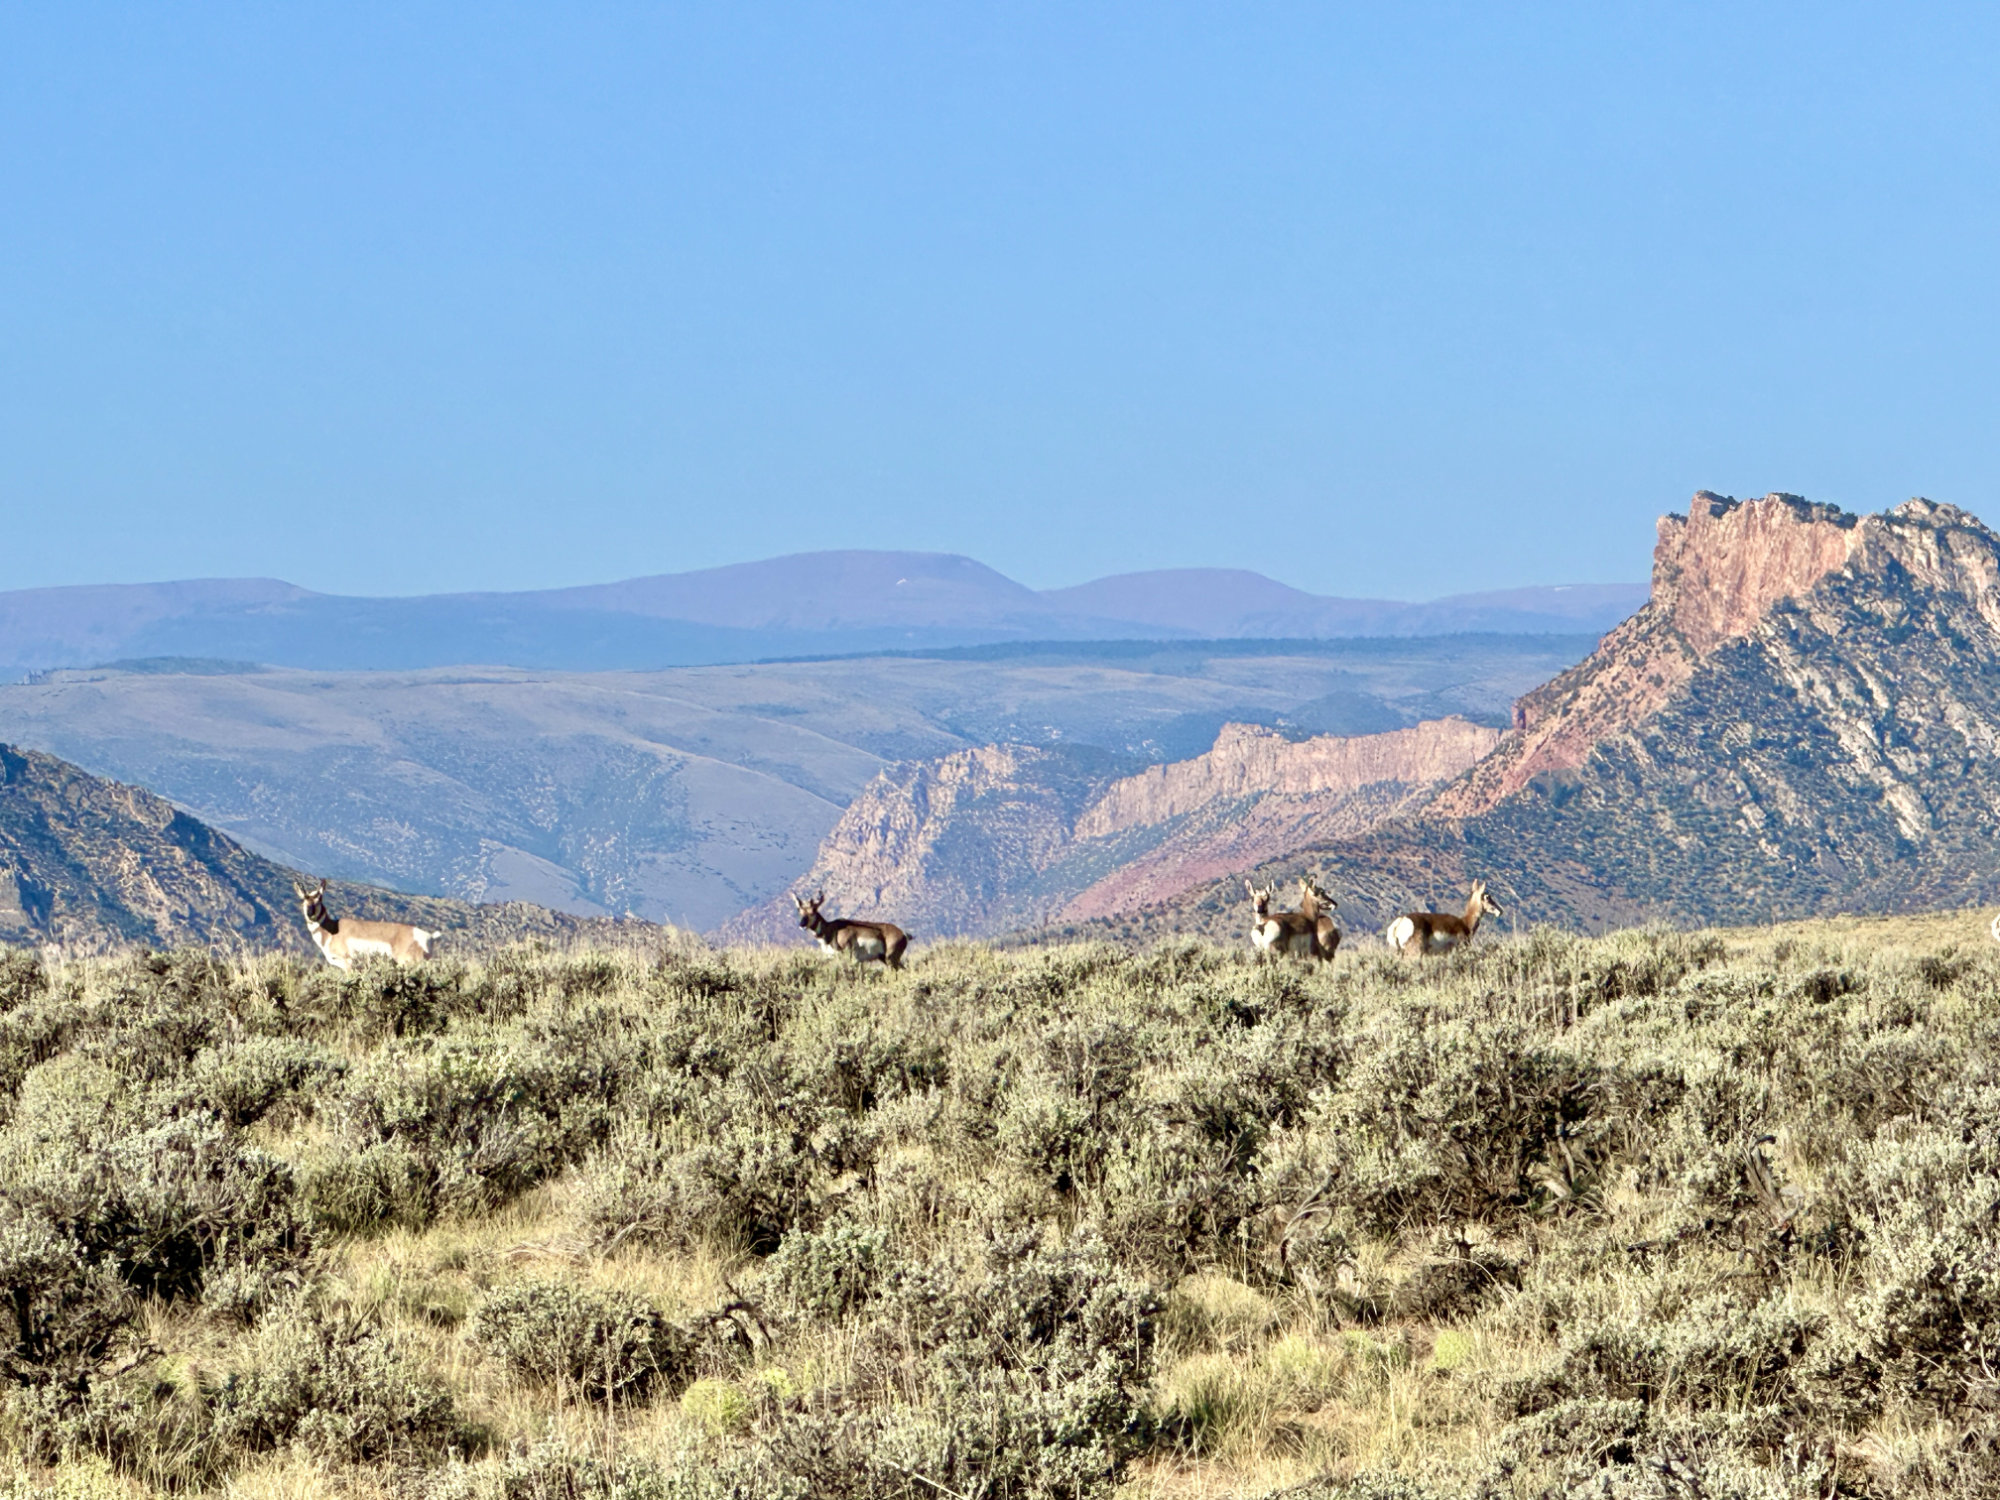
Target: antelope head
808	910
312	903
1310	889
1260	901
1480	901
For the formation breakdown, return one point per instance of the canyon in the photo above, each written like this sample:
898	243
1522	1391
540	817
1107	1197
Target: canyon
1004	837
687	796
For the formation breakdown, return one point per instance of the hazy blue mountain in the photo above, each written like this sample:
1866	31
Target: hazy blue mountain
809	604
1233	603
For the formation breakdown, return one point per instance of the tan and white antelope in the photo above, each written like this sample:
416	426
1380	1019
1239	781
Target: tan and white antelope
1419	932
343	940
1279	932
864	942
1315	903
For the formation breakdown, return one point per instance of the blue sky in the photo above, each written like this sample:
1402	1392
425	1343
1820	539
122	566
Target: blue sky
1390	300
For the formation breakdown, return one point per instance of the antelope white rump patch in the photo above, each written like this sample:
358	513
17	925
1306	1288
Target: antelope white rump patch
1400	932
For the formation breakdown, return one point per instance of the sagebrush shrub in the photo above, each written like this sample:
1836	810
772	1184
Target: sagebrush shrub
488	1114
65	1308
830	1272
385	1185
604	1344
164	1205
749	1187
23	977
333	1381
242	1081
1650	1218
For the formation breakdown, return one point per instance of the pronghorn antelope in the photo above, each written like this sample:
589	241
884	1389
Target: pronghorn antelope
344	939
1315	903
1419	932
864	942
1279	932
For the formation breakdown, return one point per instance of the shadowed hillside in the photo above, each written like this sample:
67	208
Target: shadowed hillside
91	864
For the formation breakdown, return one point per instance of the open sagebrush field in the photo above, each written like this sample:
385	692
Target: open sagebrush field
1652	1215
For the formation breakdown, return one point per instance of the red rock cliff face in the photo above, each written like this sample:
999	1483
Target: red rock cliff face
1719	569
1251	761
1717	572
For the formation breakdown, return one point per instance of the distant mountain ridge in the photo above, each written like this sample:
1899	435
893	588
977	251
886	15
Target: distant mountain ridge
806	604
1226	603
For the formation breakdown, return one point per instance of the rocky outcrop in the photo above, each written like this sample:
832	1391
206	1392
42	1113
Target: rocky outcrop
91	864
996	839
1251	761
1804	720
959	844
1717	571
1256	797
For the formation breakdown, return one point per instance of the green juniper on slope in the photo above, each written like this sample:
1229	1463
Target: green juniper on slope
1653	1214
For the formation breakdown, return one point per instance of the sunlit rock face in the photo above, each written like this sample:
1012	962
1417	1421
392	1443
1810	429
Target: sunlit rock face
1717	571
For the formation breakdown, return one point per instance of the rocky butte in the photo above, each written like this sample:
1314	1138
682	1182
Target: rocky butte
1804	719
